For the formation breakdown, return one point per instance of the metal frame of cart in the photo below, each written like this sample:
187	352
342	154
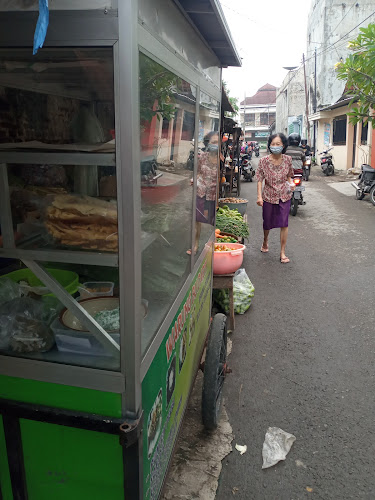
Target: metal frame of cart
37	395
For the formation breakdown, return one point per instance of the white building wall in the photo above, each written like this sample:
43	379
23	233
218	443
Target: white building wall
290	100
343	155
329	22
257	110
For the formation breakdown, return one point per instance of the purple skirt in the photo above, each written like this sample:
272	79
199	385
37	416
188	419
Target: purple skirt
205	211
275	215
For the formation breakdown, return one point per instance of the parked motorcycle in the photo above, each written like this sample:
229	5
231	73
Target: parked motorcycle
366	184
149	174
246	168
326	162
297	196
257	151
307	168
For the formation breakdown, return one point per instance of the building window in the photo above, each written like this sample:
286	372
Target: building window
165	129
264	118
188	126
339	130
250	119
364	133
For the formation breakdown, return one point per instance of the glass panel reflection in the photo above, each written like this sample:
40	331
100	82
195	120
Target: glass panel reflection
167	118
208	170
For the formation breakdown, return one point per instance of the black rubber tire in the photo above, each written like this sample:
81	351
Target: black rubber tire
293	207
372	195
214	372
330	170
251	179
359	195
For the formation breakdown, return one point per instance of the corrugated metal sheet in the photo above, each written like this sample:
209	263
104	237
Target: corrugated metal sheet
208	18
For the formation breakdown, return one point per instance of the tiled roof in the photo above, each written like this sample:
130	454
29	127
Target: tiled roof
265	95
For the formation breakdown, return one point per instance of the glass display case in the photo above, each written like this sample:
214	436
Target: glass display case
108	177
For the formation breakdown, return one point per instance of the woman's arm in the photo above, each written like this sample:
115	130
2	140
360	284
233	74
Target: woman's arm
259	177
259	192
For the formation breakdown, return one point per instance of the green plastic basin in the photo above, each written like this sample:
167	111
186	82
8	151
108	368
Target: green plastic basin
68	279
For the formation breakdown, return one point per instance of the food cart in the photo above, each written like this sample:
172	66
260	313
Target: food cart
105	282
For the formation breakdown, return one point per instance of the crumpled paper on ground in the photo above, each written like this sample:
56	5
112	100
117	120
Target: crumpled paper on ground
276	446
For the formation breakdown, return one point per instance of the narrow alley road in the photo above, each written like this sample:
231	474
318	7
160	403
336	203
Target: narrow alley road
303	355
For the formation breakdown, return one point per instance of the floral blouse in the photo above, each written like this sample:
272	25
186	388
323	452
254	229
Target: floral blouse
207	177
276	178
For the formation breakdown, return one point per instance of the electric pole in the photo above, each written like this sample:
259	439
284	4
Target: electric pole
307	102
244	118
314	104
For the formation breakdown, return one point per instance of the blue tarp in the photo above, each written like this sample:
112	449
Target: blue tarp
41	26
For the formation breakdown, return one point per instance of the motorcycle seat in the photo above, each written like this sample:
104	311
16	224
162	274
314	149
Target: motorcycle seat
367	168
148	159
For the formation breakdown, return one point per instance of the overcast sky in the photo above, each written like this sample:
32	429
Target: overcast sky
268	34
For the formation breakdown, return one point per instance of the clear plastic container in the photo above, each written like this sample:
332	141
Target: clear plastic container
92	289
76	342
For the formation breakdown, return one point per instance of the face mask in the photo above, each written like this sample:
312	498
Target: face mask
213	148
276	150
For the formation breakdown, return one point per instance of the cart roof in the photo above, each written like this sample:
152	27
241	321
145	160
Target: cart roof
208	18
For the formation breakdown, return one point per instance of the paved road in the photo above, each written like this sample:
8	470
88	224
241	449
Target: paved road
303	355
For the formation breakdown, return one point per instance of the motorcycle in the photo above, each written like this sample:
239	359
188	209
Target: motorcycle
297	196
366	184
257	152
326	162
246	168
307	168
149	174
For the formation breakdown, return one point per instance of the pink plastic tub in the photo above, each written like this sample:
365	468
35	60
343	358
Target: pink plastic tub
228	262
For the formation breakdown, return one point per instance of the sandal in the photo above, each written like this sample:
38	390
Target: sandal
284	260
264	249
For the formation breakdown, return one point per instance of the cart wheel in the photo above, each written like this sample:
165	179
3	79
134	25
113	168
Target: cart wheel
214	372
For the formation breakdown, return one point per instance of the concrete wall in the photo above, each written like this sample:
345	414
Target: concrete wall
343	155
290	99
329	21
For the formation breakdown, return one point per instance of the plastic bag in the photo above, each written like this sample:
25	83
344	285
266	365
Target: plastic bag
24	325
276	446
8	290
243	292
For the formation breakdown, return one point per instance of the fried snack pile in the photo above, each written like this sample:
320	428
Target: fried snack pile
83	221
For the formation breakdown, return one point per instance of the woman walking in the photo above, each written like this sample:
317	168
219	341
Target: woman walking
276	171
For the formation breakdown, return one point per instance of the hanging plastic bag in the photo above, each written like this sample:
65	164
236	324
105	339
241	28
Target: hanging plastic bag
243	292
41	26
